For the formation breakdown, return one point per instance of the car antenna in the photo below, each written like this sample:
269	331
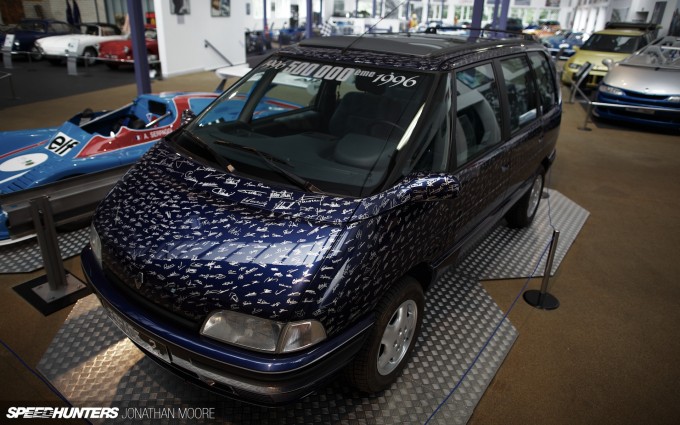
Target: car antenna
373	26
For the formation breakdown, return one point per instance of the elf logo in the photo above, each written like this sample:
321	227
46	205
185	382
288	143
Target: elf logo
62	144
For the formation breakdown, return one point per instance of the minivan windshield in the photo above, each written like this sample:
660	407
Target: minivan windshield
320	126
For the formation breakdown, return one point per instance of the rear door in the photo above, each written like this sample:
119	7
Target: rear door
549	97
480	156
523	122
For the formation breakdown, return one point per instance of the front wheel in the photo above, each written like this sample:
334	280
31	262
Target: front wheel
523	212
35	53
392	338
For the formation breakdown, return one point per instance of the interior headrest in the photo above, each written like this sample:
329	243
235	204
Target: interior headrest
366	84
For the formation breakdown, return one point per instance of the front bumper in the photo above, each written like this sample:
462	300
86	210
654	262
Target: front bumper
257	378
115	58
592	80
634	114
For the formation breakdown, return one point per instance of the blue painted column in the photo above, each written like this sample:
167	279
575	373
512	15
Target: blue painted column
505	6
310	16
139	46
264	19
477	12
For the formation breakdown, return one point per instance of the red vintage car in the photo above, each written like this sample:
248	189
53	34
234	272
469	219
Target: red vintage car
119	52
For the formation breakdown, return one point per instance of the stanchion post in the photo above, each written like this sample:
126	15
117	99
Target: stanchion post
58	284
47	240
542	299
72	64
7	59
589	110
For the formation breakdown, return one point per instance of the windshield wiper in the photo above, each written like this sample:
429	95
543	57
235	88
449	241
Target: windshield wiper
226	165
271	160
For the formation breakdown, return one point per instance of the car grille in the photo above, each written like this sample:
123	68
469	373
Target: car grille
651	99
159	306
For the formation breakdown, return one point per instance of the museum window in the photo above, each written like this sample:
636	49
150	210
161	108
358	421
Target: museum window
520	92
478	112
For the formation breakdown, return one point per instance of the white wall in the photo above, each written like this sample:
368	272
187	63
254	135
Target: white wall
606	7
182	48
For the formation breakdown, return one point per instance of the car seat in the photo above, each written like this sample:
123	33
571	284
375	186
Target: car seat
367	111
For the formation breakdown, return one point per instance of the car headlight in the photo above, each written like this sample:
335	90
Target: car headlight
260	334
611	90
96	245
574	66
675	99
564	46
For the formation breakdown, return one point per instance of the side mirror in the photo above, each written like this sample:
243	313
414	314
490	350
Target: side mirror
608	63
429	187
418	187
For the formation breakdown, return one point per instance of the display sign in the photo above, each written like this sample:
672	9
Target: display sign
9	41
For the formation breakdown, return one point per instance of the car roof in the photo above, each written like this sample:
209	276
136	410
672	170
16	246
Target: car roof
402	50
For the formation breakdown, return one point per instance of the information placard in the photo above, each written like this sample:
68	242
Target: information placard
9	41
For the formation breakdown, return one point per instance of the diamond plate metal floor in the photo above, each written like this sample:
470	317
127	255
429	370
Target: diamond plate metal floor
93	364
25	256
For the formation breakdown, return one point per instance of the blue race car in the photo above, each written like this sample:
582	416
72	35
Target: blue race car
90	142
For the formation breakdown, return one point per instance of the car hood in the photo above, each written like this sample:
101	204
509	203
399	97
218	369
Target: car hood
22	153
644	79
594	57
194	239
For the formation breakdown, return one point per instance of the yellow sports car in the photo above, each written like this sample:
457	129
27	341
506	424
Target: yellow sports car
617	41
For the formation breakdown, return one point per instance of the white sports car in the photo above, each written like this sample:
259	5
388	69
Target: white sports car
85	45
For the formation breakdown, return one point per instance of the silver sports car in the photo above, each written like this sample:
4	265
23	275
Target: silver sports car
649	82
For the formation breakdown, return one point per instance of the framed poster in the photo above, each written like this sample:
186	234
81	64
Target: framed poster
220	8
179	7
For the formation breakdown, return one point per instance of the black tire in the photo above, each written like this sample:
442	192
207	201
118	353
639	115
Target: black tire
523	212
399	317
89	56
35	53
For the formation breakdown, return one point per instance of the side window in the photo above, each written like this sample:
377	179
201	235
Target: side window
231	109
478	111
545	79
520	92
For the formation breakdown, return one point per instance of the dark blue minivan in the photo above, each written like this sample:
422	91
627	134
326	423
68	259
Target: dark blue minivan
290	231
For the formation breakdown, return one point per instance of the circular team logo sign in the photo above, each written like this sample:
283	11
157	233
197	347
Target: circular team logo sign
23	162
